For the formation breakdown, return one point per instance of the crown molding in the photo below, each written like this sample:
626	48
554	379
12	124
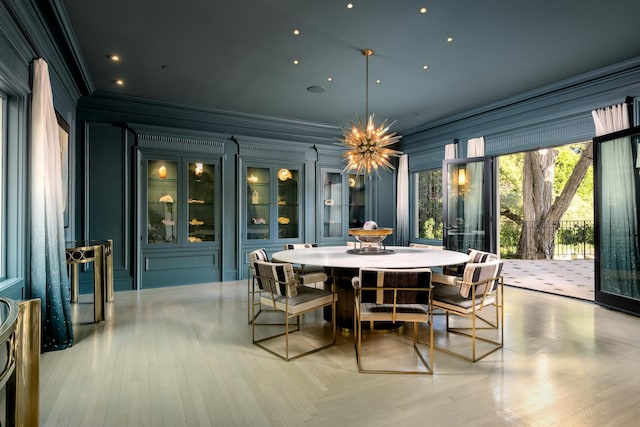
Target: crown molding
163	138
142	110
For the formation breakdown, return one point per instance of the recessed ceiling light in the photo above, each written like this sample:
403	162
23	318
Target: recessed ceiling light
449	39
423	10
316	89
425	67
296	32
329	79
296	62
378	81
114	57
349	5
119	82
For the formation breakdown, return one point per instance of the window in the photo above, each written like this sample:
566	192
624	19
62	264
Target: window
428	206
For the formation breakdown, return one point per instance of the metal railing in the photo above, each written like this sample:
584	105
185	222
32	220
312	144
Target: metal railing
573	239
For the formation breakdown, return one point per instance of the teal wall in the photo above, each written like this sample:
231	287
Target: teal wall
103	159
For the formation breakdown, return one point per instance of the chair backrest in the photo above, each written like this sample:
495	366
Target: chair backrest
477	272
476	256
257	255
290	246
381	278
277	278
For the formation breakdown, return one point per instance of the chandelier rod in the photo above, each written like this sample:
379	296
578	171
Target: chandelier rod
367	53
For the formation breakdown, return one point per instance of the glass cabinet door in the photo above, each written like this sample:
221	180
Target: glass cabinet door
333	201
201	202
258	212
357	201
288	203
162	201
343	203
272	203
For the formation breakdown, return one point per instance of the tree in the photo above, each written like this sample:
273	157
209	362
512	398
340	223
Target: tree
541	214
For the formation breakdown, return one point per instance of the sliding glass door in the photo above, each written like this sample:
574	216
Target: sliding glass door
616	168
468	206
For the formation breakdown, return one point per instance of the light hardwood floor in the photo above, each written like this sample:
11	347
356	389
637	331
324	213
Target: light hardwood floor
183	356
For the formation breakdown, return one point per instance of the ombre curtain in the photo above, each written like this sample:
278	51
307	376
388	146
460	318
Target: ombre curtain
48	265
402	207
619	247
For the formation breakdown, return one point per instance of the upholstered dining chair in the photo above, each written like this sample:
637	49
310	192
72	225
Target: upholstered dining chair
477	295
451	273
392	295
257	255
282	290
304	269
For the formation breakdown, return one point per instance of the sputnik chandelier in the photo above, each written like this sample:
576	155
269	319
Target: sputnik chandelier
368	145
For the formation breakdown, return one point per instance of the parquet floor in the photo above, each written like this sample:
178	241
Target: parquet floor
183	356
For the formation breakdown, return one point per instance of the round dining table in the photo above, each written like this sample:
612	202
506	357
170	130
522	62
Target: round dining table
345	263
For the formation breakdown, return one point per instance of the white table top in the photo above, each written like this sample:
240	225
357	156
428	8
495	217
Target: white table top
402	257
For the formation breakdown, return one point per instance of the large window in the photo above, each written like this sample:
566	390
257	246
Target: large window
428	206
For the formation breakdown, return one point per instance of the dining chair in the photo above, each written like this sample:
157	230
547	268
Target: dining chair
451	273
283	291
478	292
304	269
257	255
392	295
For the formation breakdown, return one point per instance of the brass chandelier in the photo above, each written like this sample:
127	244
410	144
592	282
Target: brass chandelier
368	144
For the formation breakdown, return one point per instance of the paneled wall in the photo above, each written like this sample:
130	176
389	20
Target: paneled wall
22	39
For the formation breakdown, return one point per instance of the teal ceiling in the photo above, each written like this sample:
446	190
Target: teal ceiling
238	55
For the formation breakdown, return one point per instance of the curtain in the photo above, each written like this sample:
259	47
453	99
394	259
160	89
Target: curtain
48	265
619	251
475	147
402	207
450	151
473	209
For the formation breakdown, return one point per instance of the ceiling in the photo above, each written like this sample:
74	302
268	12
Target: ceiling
238	55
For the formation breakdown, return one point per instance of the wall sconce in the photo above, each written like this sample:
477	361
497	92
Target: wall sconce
162	172
462	177
199	169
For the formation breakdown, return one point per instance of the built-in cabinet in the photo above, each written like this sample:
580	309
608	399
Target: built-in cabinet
180	201
342	204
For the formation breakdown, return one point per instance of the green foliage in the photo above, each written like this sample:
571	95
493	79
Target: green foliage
578	233
511	182
581	208
429	201
432	230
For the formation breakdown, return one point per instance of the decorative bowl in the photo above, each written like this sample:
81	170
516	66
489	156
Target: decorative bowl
376	235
